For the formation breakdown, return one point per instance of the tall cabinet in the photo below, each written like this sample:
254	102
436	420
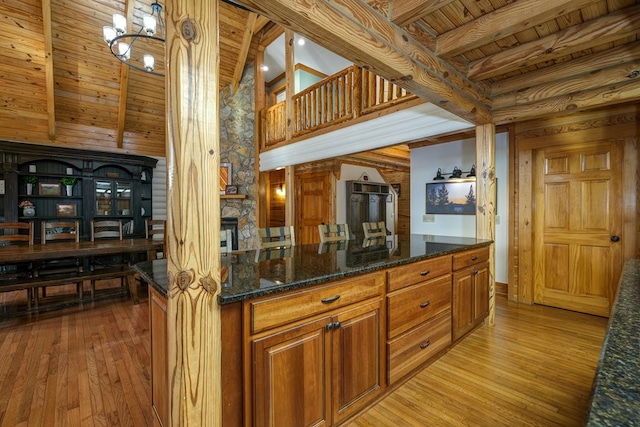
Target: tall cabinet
366	202
72	184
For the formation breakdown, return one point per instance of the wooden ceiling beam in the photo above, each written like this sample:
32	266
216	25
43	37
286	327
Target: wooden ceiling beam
260	23
49	71
628	91
124	82
503	22
590	64
244	50
404	12
561	87
356	32
606	29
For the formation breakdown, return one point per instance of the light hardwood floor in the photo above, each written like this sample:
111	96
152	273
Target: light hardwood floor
89	365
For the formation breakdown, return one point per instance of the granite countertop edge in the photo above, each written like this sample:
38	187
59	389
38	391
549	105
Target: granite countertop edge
615	393
376	266
224	299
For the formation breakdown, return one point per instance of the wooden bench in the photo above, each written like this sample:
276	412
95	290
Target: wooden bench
32	283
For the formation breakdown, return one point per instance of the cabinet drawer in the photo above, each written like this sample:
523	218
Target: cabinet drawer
467	258
417	272
411	306
412	349
291	306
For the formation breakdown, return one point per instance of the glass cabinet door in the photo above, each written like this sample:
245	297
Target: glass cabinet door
104	198
123	198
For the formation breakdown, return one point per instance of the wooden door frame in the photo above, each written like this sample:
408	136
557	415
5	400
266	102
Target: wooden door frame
522	290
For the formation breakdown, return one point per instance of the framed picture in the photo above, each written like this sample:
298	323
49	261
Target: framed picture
231	189
66	210
451	197
49	189
225	177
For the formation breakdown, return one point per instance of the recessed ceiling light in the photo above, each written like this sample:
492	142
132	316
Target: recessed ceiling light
301	41
264	67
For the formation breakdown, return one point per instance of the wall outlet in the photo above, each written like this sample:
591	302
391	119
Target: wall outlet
429	218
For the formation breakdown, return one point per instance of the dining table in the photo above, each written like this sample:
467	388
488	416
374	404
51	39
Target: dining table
55	250
12	254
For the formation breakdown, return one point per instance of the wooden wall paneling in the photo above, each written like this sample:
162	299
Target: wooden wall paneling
193	217
48	60
630	197
513	268
525	226
486	200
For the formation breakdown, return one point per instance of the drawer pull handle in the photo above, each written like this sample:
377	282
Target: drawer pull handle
425	345
424	273
425	304
473	258
330	300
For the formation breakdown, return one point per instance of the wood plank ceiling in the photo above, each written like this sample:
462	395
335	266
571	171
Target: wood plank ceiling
485	60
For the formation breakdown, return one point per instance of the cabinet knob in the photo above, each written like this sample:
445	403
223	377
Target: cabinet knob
330	326
425	304
473	258
424	273
425	345
330	299
475	272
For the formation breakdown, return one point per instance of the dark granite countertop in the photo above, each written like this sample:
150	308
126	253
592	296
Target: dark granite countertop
615	399
252	274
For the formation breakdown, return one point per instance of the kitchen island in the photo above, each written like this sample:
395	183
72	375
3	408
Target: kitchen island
314	333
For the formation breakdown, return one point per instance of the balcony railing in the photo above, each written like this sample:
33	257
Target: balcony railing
347	94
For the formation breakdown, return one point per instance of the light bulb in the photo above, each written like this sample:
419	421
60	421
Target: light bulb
149	24
149	62
119	24
108	33
123	51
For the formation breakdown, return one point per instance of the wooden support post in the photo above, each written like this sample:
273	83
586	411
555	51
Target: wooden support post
486	201
193	214
289	58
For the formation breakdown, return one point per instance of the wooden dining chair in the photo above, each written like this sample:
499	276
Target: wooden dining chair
374	229
16	233
154	230
273	237
333	232
60	231
226	241
104	229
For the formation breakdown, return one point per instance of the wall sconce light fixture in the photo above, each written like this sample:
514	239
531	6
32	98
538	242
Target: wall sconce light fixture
457	173
281	190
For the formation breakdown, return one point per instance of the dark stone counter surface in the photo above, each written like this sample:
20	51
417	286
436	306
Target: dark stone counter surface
253	274
615	399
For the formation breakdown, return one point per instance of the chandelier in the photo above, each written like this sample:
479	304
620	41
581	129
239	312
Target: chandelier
122	43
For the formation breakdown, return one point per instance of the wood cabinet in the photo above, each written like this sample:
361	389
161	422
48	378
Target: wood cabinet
328	364
366	202
470	291
419	314
107	185
158	353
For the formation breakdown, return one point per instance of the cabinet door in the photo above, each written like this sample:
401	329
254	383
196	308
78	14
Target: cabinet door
463	296
291	376
481	292
358	368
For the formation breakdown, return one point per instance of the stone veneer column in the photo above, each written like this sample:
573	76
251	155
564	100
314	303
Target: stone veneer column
237	146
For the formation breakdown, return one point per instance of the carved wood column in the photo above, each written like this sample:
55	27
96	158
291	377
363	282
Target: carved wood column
486	201
193	214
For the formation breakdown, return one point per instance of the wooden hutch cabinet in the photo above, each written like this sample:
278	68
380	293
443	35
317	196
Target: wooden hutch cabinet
103	185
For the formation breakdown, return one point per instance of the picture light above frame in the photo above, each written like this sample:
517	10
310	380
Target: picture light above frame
457	173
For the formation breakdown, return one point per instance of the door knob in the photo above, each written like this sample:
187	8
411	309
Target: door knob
615	238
